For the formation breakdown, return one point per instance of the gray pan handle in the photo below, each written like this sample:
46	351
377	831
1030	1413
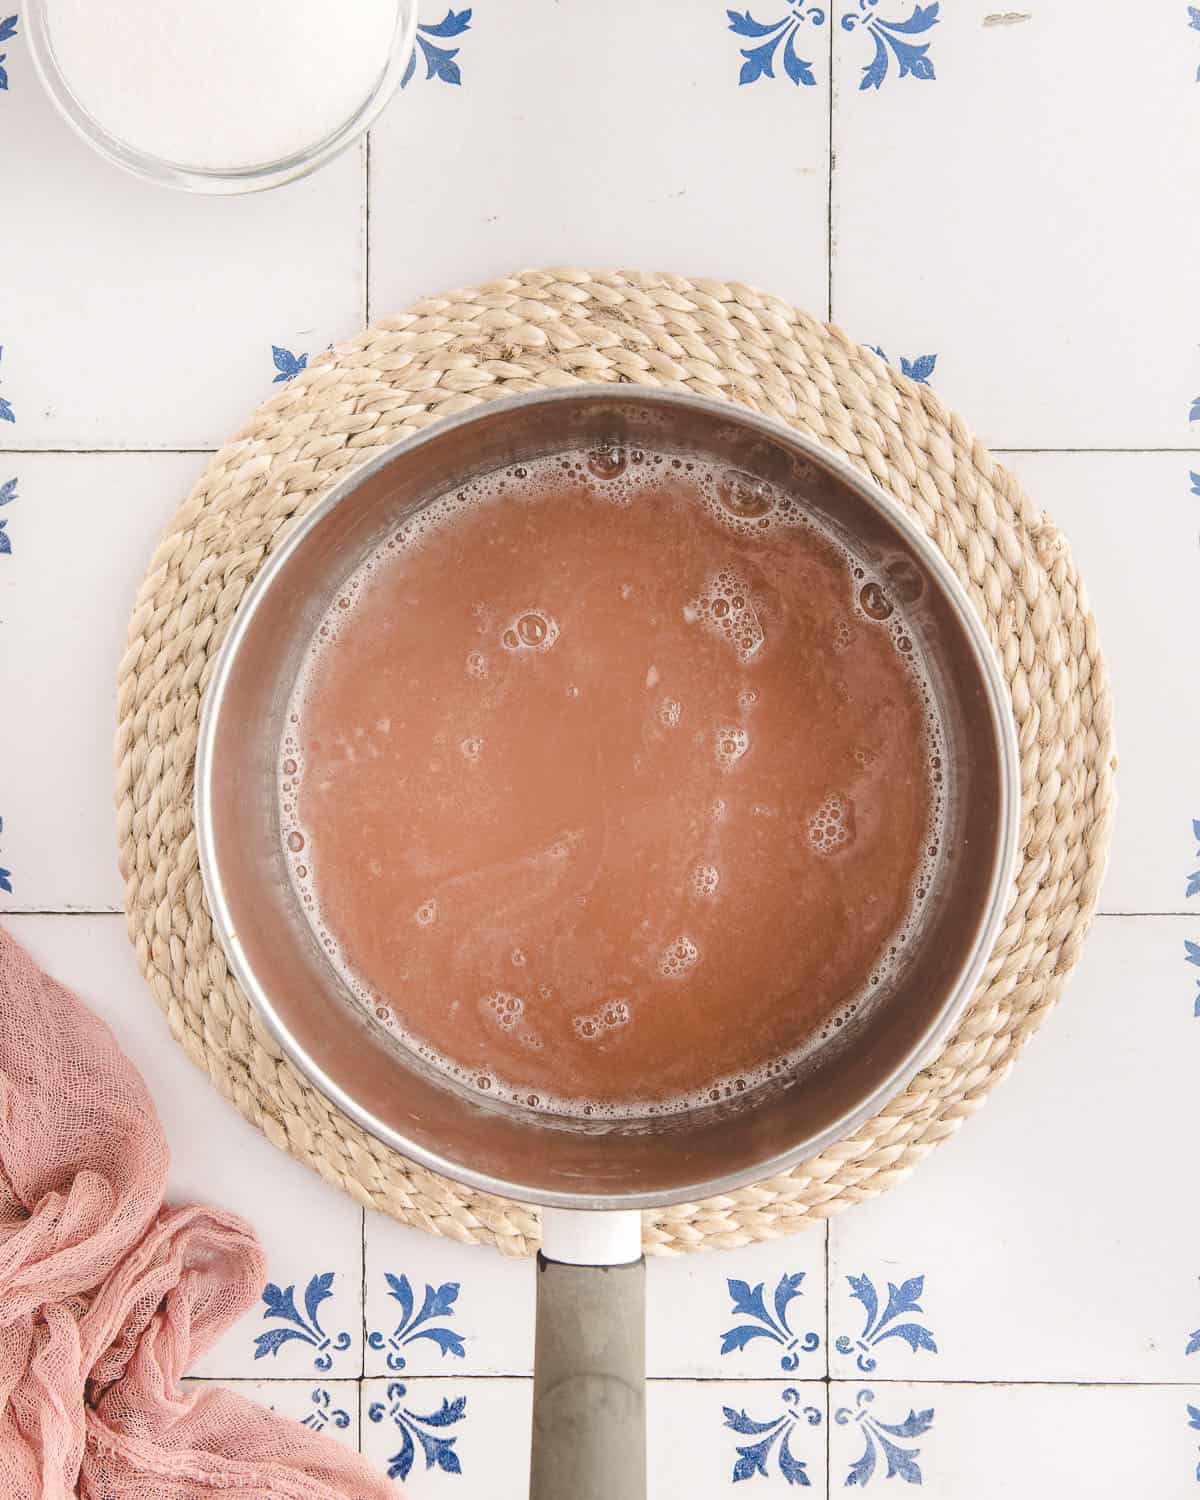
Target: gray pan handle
589	1385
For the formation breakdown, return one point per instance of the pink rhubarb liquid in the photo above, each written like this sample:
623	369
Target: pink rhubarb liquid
612	783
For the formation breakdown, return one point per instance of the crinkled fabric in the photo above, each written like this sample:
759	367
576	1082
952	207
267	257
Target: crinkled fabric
107	1295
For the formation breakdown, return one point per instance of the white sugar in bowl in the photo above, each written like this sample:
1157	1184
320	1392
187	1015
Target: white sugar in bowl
220	96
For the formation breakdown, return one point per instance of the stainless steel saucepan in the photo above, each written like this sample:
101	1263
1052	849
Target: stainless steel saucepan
593	1177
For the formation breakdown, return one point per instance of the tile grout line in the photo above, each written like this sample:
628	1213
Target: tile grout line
1169	448
116	911
832	158
362	1306
366	230
360	1383
828	1358
133	452
763	1380
999	449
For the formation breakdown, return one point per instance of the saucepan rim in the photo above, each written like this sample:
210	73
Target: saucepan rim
958	992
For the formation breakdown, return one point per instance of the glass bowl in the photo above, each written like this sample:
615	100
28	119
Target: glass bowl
199	179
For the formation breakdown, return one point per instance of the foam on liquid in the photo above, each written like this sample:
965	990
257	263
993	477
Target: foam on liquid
726	608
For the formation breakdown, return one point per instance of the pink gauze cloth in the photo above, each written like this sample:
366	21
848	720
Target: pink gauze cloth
106	1295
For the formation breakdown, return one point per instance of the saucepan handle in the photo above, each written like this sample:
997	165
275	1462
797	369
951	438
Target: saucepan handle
589	1378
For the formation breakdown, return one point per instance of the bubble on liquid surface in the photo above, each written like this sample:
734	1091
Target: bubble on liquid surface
426	913
669	711
518	958
289	767
727	607
743	496
874	603
608	1017
678	957
504	1008
477	664
905	580
843	636
831	827
732	742
747	699
608	461
295	841
532	630
471	747
705	879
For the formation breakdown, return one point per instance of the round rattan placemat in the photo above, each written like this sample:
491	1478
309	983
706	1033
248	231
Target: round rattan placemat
551	328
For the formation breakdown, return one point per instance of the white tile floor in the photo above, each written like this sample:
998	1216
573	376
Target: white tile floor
152	313
1048	1247
1009	207
328	1406
1006	215
589	137
1001	1442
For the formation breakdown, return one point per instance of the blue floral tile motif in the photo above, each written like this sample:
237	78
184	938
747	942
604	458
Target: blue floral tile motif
439	61
1194	1422
1194	412
287	364
438	1303
6	412
325	1412
8	29
304	1326
754	1458
759	60
890	42
748	1301
880	1326
8	493
879	1438
919	369
5	875
1195	478
439	1451
1193	880
1191	955
1193	1343
1193	22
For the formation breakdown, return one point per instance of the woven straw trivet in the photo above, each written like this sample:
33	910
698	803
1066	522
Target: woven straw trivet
554	328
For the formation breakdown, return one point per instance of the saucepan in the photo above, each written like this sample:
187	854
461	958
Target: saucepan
594	1177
